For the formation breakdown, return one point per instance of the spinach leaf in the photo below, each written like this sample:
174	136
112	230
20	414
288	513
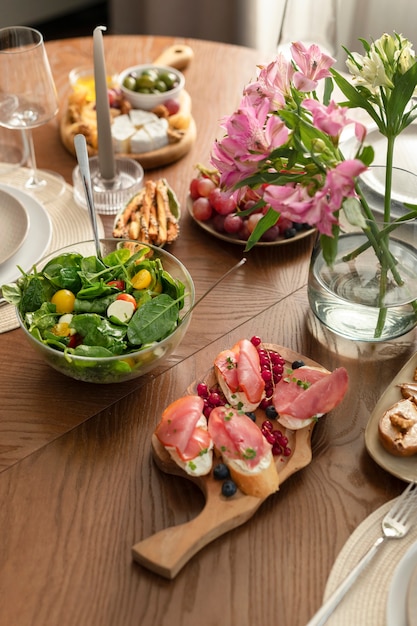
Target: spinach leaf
95	290
98	331
97	305
37	291
153	321
63	271
44	318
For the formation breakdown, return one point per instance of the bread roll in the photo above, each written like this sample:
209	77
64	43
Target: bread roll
397	428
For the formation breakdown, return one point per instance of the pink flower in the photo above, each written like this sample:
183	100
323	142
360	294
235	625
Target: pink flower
295	203
251	135
273	83
332	119
313	65
340	181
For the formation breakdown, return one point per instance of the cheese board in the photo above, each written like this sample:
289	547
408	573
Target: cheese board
79	117
167	551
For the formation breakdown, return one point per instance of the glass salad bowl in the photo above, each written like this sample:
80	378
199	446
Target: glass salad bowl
105	320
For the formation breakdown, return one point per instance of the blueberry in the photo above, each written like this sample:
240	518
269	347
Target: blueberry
221	471
296	364
252	415
289	233
271	412
229	488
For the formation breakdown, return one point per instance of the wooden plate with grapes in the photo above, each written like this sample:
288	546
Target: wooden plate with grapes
167	551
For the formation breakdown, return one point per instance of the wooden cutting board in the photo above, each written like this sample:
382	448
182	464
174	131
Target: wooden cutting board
167	551
178	56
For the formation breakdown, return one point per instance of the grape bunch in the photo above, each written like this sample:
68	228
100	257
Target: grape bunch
212	205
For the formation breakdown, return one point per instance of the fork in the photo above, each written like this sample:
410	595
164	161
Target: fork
396	524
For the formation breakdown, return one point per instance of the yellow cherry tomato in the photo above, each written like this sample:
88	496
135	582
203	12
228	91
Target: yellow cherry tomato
142	279
64	301
62	329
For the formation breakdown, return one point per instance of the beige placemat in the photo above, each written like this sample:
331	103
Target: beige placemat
366	602
70	224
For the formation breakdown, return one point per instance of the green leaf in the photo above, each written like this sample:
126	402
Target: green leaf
153	321
266	222
400	98
11	293
329	246
98	331
355	99
353	211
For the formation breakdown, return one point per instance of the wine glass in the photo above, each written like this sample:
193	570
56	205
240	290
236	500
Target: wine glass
28	99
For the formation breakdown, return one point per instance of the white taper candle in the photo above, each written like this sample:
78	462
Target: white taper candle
105	143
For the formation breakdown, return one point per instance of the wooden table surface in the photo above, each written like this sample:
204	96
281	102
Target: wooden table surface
78	486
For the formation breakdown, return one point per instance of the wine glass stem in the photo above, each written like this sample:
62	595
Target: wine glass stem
34	181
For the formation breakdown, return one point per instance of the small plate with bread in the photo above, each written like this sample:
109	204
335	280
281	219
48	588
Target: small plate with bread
391	432
151	216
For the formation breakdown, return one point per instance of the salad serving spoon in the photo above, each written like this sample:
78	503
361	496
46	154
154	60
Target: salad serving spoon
80	145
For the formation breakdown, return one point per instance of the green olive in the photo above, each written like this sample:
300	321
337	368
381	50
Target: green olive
129	82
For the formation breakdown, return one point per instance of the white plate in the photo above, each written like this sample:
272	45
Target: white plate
37	241
14	225
397	595
403	189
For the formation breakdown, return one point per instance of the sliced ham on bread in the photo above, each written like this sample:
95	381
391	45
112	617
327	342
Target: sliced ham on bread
305	394
238	373
244	450
184	434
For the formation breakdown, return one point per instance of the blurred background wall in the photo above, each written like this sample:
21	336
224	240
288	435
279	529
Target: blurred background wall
260	24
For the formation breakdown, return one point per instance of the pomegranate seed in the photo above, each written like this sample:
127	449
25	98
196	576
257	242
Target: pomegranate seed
266	375
256	341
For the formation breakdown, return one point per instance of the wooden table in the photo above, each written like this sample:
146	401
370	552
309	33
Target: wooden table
78	486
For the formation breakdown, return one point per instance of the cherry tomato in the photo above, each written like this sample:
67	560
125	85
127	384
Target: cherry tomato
64	301
75	340
142	279
117	284
127	297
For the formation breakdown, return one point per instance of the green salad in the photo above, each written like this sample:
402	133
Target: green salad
92	307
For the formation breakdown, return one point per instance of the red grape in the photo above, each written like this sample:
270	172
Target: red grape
222	202
205	186
202	209
232	223
172	105
194	189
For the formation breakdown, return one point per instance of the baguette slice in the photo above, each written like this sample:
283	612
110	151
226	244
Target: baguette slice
397	428
259	483
244	450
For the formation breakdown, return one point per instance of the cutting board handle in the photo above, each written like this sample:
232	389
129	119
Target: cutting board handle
167	551
178	56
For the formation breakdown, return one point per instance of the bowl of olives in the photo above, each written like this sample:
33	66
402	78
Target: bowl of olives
147	86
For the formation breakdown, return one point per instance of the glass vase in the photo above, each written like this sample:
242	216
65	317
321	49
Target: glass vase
368	294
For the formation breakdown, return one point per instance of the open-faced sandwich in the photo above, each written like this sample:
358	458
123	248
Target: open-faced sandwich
238	373
244	450
306	393
183	433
